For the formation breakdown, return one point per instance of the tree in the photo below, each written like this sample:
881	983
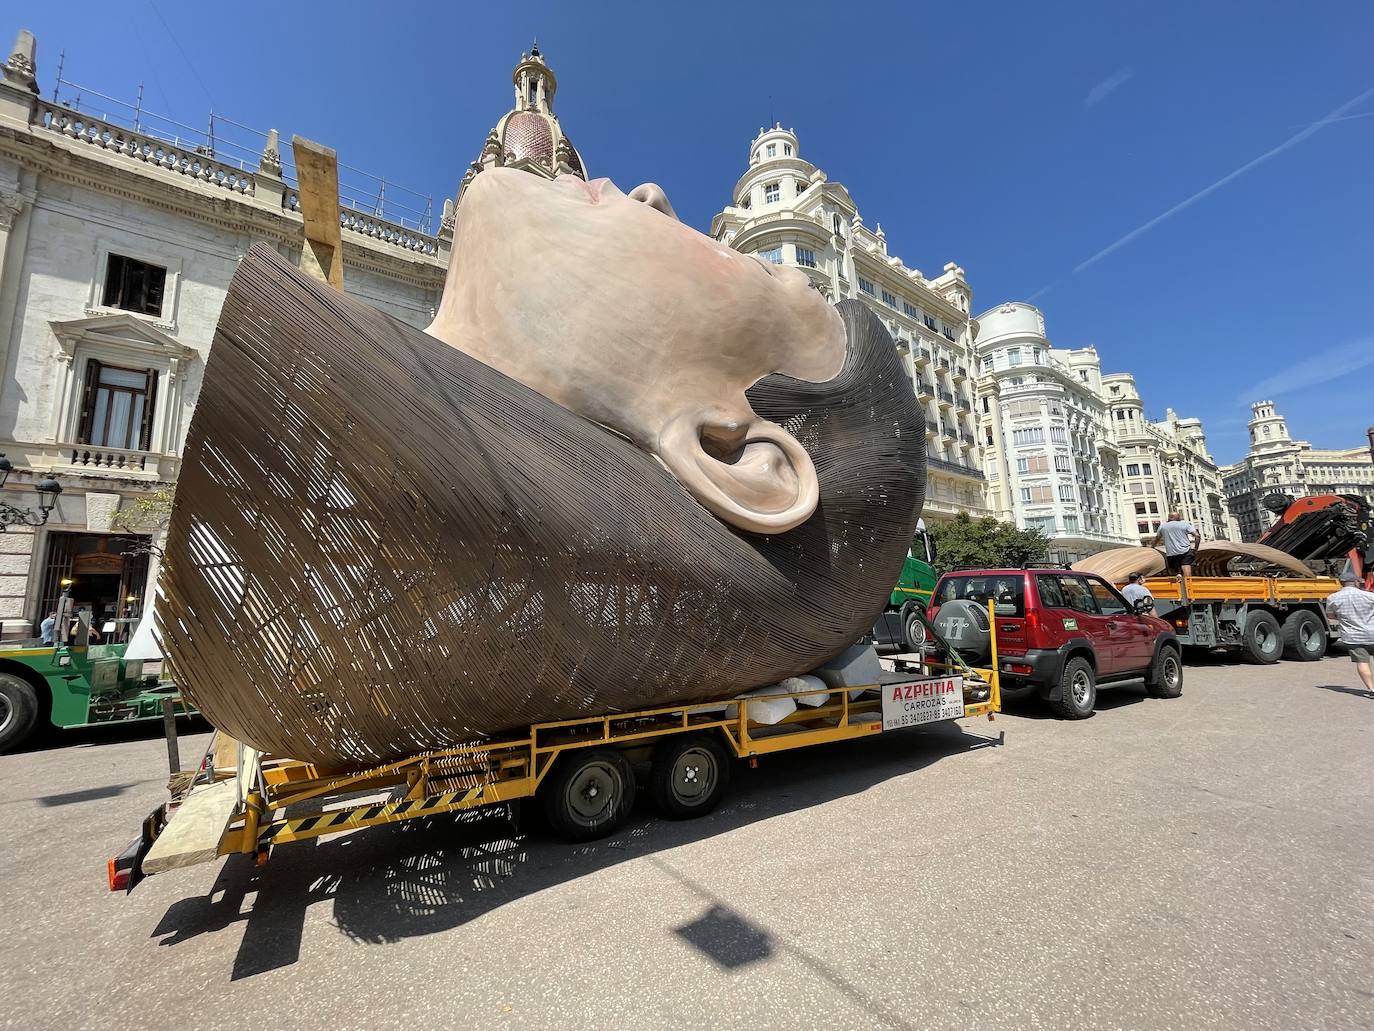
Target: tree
986	543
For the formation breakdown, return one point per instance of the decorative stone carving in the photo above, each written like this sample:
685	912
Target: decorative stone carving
21	69
270	162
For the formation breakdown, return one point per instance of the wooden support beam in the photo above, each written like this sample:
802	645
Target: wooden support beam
317	177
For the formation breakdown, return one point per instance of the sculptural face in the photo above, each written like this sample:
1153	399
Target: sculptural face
607	304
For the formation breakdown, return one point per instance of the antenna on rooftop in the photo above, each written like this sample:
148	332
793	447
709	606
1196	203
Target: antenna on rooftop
61	61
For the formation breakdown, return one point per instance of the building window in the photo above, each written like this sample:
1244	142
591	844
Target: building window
1045	524
1140	508
1034	435
890	299
929	321
1133	469
987	363
838	224
787	150
773	254
1070	524
1066	492
1026	494
1142	528
1061	463
1058	435
986	407
1145	468
771	150
772	192
867	287
1154	508
801	186
1013	356
910	310
949	333
133	285
806	257
117	407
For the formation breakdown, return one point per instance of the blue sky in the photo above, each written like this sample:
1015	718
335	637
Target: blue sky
1019	140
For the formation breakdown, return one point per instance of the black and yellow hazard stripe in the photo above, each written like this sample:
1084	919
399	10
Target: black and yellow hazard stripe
369	815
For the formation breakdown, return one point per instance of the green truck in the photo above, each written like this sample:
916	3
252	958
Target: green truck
900	626
74	685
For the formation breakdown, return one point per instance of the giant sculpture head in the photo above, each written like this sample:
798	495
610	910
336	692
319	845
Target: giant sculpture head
606	303
626	467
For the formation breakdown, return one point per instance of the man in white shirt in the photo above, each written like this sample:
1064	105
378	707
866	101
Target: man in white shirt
1135	591
1181	542
1353	608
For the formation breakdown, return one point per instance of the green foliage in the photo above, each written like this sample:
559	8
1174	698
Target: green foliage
986	543
148	513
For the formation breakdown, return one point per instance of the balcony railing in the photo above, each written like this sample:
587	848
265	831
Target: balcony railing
957	468
114	463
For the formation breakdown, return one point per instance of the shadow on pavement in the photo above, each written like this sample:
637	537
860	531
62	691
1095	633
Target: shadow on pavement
404	880
1358	692
1028	705
49	738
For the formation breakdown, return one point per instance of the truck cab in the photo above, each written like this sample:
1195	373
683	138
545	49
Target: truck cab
900	628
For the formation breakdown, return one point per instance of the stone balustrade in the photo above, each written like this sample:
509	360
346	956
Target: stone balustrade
187	161
375	226
116	463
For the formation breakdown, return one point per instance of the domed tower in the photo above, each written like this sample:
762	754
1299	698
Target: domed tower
528	136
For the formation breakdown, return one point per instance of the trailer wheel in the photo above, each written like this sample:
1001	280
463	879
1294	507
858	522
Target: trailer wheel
1304	637
689	775
1077	690
1262	643
589	793
18	710
1165	679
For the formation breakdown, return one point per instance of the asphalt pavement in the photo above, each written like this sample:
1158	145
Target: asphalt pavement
1197	862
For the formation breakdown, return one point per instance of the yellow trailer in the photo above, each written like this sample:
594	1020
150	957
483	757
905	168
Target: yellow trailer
241	801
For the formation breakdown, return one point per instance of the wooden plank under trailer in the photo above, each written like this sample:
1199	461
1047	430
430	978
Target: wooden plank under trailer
244	802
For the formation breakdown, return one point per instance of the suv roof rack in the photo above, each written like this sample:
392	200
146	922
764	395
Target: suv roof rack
1046	565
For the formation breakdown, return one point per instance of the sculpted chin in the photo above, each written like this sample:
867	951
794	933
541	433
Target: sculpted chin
625	466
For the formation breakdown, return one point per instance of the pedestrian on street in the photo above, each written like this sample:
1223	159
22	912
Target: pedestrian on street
1135	591
1181	542
46	628
1353	608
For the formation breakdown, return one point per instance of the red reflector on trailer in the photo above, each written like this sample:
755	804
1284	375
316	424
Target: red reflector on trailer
119	878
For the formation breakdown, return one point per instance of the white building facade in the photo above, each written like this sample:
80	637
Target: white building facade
1051	461
786	210
1165	465
1278	468
116	250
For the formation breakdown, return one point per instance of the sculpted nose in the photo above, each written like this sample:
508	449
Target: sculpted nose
652	194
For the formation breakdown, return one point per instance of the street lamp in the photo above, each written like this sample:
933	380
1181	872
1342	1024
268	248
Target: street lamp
48	490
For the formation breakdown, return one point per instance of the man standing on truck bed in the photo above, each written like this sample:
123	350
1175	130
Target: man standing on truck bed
1181	542
1353	608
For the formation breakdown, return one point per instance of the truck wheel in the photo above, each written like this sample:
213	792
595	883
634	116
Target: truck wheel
589	794
913	630
18	711
1077	690
1165	679
1304	637
1262	643
689	775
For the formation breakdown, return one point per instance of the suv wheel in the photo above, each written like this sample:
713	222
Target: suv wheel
1165	679
1262	643
1077	690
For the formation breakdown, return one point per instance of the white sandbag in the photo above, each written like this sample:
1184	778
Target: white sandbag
855	667
767	711
807	689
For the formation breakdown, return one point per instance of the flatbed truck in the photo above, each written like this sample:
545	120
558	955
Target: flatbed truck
581	771
1265	618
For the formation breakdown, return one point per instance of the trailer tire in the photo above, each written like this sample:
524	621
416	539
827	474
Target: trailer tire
1165	679
589	793
1304	637
689	775
1262	643
18	711
1077	690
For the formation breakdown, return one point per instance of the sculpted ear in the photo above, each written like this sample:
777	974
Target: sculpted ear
752	474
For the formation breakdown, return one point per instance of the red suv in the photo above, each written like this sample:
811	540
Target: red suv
1059	631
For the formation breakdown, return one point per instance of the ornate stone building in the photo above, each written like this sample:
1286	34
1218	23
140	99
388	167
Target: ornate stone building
529	136
785	210
1278	467
1052	463
1166	466
116	247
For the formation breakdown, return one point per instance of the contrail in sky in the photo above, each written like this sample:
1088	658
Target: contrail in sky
1292	141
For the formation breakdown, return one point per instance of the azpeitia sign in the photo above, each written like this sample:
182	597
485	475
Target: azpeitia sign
915	702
